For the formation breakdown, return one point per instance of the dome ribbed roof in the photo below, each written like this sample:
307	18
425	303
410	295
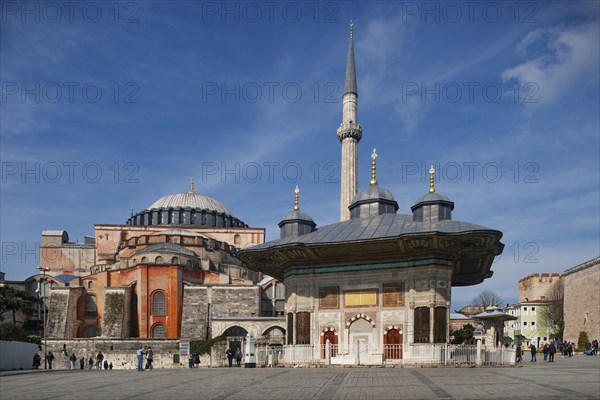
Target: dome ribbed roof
432	197
373	192
297	215
166	248
191	200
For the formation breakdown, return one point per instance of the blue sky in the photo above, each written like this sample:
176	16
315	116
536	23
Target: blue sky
108	106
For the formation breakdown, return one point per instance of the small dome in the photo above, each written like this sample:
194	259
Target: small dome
297	215
372	192
166	248
191	200
432	197
374	200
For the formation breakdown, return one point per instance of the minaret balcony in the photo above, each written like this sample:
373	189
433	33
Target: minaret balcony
349	130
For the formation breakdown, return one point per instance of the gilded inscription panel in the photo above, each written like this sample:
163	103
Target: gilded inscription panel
361	298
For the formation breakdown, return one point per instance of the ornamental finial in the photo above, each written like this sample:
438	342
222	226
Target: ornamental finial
374	167
192	185
296	206
351	25
431	179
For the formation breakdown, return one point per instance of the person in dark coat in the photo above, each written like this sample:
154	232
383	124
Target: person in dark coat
551	352
230	355
49	358
37	360
81	363
533	353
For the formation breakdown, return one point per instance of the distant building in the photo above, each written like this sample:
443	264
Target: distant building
458	321
582	300
536	286
531	327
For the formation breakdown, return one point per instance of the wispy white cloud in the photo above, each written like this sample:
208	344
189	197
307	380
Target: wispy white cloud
560	60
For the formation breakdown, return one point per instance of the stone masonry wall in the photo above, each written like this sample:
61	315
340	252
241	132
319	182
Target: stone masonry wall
194	317
234	301
62	312
121	353
582	303
115	321
535	286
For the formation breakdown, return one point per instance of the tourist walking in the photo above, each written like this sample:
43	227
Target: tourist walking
238	357
49	359
99	358
90	363
37	361
551	351
519	355
229	354
140	357
73	360
82	363
533	353
149	358
545	351
197	360
105	365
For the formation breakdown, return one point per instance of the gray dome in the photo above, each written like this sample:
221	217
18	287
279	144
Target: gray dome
166	248
372	192
297	215
432	197
191	200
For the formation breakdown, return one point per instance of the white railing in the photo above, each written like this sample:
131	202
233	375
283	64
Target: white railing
427	354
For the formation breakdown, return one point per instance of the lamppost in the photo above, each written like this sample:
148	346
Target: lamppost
43	297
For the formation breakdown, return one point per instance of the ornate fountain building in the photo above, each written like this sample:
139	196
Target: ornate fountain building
377	284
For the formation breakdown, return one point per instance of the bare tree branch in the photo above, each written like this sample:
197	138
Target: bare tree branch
552	315
487	298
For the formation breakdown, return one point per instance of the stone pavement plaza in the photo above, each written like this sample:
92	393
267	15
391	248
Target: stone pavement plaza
568	378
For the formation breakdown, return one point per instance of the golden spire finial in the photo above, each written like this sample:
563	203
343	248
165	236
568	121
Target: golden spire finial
351	25
296	206
373	167
191	185
431	179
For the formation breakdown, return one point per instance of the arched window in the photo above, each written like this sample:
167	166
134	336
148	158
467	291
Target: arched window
235	331
90	331
159	303
90	285
159	331
175	260
159	260
91	310
144	260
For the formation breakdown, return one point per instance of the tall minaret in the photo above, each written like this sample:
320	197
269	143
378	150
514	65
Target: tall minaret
349	134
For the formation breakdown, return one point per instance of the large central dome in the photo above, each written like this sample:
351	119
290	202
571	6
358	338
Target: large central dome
187	209
189	200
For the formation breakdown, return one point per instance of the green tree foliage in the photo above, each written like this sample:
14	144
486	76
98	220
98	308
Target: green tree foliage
13	300
204	346
582	340
462	335
12	332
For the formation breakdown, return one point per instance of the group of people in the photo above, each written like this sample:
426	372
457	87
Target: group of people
234	354
566	349
194	361
100	361
144	352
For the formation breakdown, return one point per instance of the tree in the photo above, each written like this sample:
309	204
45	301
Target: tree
14	300
487	298
11	332
552	315
462	335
